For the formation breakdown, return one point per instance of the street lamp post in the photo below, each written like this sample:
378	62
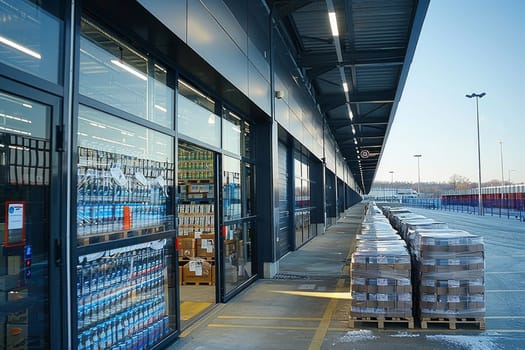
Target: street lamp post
418	173
480	201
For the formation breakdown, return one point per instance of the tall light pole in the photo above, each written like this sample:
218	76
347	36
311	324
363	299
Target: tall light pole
418	173
480	201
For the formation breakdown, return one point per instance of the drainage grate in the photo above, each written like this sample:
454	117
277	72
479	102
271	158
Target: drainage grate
290	276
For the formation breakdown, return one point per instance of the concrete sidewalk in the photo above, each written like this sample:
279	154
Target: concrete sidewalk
297	309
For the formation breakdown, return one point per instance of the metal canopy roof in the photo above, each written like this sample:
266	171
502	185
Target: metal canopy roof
372	54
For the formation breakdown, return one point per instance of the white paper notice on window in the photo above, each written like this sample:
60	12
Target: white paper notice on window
15	214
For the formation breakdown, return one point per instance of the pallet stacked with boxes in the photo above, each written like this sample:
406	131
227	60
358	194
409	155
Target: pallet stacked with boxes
197	258
450	268
380	280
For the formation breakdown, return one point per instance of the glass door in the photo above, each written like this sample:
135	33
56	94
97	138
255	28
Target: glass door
26	157
197	231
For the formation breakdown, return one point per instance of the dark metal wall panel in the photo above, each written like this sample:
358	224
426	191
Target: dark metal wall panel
259	37
259	88
171	13
216	46
230	16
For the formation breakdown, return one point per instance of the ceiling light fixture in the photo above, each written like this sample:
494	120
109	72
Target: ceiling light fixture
129	69
20	48
345	86
160	108
333	23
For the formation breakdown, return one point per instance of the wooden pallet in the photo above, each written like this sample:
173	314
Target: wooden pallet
196	282
111	236
453	321
382	320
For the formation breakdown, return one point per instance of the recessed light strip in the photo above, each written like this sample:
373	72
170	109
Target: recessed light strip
20	48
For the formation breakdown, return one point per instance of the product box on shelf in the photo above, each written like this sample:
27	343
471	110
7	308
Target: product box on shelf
186	243
197	272
186	253
206	245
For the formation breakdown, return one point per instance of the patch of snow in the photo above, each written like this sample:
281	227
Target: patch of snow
357	336
405	335
474	342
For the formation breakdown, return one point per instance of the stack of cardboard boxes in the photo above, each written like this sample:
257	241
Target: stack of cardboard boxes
196	258
450	268
380	280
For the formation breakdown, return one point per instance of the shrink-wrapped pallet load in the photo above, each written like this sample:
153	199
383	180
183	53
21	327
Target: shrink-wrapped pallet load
450	268
380	279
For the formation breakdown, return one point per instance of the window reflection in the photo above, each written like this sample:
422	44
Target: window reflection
196	116
232	188
236	136
113	73
31	37
238	254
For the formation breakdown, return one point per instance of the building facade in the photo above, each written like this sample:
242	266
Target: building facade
156	158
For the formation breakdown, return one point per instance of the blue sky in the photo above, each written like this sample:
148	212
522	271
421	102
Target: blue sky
465	46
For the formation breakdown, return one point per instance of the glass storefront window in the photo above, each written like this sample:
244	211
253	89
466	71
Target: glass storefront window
31	37
125	178
238	253
116	74
25	173
236	136
196	116
125	296
232	194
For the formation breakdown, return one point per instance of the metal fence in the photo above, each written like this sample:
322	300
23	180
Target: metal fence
503	201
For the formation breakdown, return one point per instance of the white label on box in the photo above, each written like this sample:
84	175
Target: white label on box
428	283
477	298
382	282
382	297
453	261
453	283
453	298
359	281
381	259
403	282
405	297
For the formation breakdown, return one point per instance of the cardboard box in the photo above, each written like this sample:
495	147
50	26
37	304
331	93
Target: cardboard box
186	253
206	245
186	243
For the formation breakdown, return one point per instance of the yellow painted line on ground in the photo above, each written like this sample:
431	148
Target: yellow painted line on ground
320	333
502	272
190	309
285	328
505	291
244	317
291	328
202	321
506	331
